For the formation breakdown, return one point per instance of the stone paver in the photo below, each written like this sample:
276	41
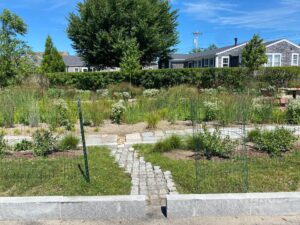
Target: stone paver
147	179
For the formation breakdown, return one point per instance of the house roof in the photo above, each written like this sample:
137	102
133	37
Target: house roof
72	60
217	51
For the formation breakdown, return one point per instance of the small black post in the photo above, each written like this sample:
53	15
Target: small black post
86	163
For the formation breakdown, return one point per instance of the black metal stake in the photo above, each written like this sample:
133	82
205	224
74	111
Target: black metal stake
85	155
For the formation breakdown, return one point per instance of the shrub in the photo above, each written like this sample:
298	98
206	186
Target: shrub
169	144
3	144
211	144
118	110
253	134
151	93
69	142
152	120
211	110
274	142
24	145
202	77
43	143
293	112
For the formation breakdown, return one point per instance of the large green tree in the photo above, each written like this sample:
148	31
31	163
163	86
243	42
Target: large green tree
101	25
52	60
254	54
16	58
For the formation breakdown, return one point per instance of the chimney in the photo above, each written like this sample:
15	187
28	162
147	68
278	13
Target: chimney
235	41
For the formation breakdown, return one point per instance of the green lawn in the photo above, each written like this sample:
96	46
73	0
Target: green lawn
61	176
228	176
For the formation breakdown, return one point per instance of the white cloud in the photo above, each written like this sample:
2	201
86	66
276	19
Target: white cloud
283	16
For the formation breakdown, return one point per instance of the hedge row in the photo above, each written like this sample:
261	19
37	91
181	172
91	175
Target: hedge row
202	77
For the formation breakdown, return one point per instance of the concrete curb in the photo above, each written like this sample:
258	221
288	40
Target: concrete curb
80	208
250	204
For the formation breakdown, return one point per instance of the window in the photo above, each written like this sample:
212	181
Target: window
225	61
200	63
76	70
211	62
205	62
274	59
295	59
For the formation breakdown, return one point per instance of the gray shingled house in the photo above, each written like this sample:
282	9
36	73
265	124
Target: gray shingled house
279	52
74	64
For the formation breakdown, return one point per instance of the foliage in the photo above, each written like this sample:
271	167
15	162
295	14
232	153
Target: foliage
211	110
211	143
152	120
274	142
24	145
232	78
151	93
43	143
99	28
15	56
130	61
254	54
210	47
293	112
52	61
3	144
169	144
118	110
68	142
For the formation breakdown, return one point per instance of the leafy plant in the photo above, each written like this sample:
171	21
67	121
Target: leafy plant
169	144
151	93
3	144
24	145
43	143
69	142
211	110
274	142
293	112
211	143
118	110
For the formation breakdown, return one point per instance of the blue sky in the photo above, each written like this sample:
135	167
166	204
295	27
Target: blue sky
220	21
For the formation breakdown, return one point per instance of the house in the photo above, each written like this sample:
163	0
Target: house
74	64
279	52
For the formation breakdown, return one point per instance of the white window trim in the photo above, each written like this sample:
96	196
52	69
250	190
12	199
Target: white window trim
225	57
217	62
273	59
292	62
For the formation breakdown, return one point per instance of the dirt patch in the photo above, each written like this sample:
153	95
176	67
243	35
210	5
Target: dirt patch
30	155
180	155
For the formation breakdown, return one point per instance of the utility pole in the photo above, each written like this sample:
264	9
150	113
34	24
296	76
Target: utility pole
196	40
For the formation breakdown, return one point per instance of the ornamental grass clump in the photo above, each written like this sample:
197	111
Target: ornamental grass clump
152	120
69	142
169	144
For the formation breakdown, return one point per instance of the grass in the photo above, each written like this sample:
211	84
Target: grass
268	174
61	176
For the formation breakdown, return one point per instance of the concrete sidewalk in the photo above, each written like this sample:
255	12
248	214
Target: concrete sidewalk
287	220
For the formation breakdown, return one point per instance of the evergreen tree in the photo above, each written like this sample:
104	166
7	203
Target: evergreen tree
254	54
52	60
101	25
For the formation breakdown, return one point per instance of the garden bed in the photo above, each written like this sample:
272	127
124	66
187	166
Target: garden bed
60	175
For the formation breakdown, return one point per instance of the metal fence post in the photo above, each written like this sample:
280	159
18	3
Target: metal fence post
85	155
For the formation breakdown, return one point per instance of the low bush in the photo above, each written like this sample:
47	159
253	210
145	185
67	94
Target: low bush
211	110
211	144
151	93
274	142
152	120
118	110
293	112
169	144
69	142
44	143
24	145
252	135
3	144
